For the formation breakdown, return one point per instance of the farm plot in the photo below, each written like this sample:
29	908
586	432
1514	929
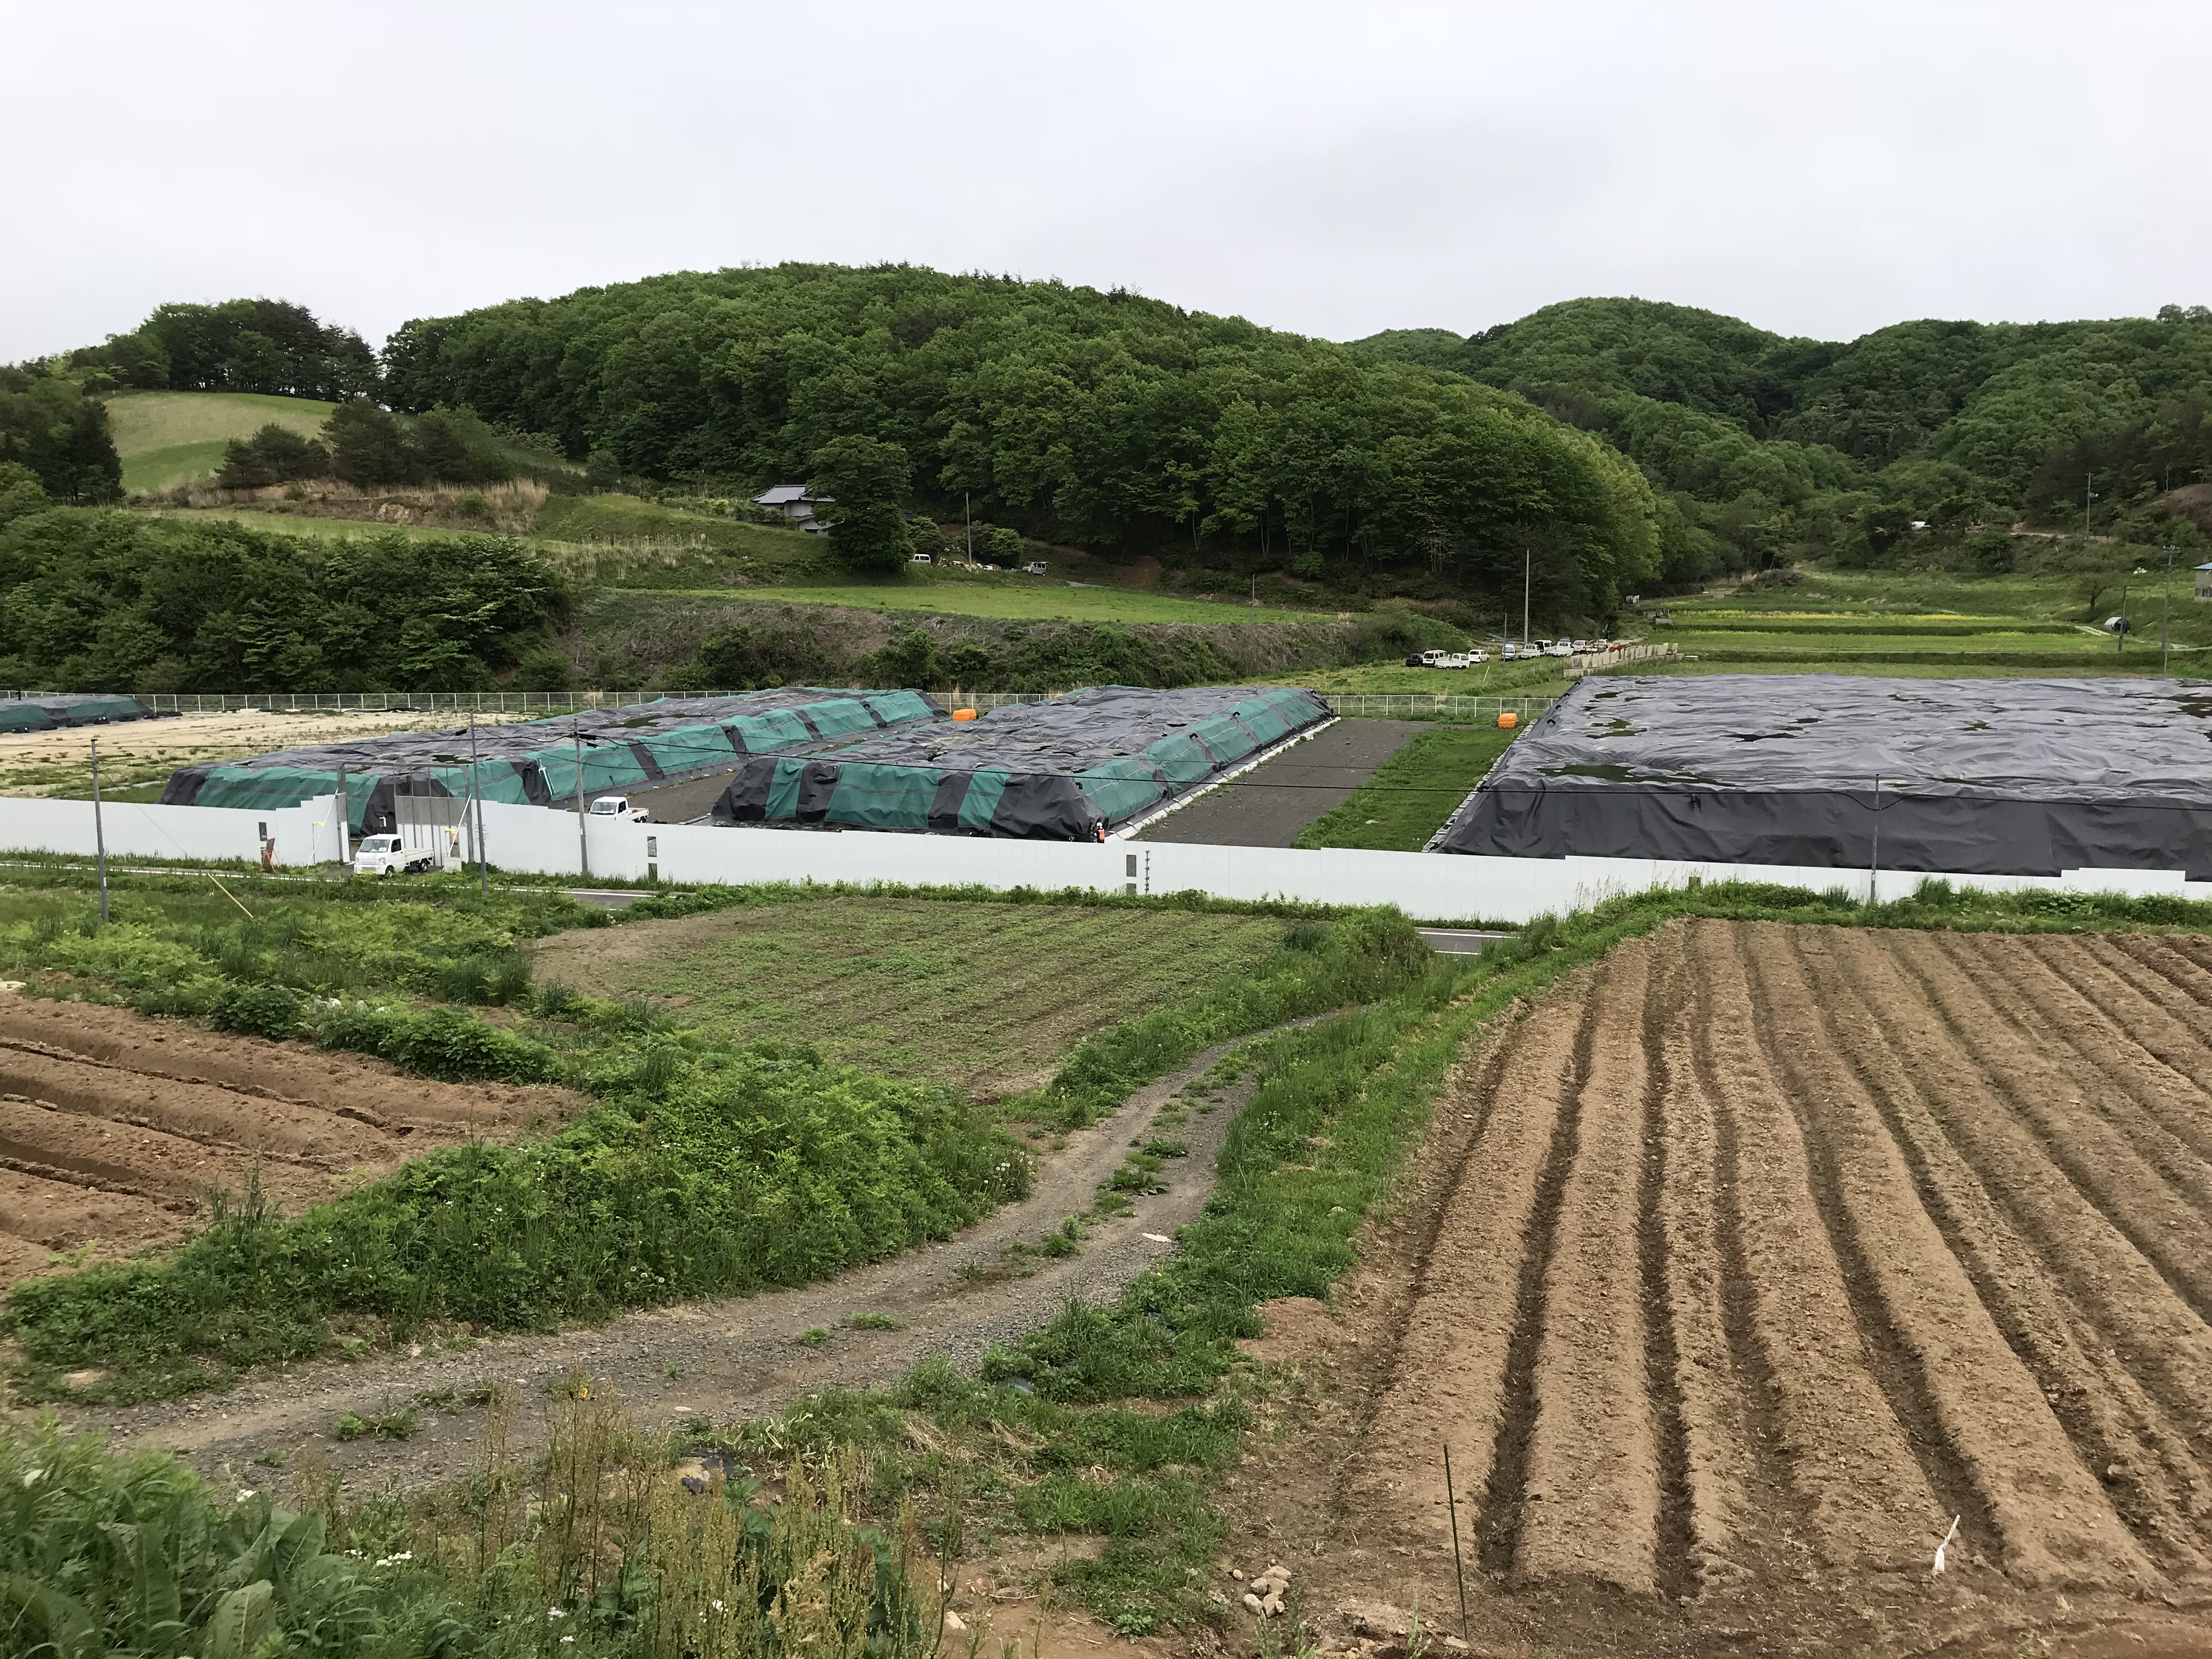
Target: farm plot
115	1130
1782	1247
986	998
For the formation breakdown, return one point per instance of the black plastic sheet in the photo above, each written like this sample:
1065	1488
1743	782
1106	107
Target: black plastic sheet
1979	777
1070	770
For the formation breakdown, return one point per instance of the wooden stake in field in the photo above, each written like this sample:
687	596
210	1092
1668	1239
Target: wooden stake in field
1459	1566
99	829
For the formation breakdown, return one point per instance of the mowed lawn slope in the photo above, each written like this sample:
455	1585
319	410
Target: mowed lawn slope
169	438
986	998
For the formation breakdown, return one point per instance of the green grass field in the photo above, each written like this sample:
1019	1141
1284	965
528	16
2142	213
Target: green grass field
170	438
1022	598
986	998
1412	793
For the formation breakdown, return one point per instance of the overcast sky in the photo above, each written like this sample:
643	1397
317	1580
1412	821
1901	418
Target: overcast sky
1817	168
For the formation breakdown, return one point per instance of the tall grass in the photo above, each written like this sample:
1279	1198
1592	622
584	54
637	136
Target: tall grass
597	1551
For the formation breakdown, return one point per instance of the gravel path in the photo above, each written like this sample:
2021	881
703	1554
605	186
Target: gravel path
1270	804
732	1357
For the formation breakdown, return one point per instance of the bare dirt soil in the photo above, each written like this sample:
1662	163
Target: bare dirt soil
115	1129
142	752
1735	1271
734	1358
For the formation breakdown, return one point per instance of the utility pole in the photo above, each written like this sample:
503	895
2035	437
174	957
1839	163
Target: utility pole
99	829
2165	610
1873	865
583	847
1528	566
2089	495
476	788
345	821
968	514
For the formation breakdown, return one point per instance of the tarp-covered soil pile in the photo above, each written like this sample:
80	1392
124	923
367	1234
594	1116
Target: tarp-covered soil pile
1980	777
536	763
1071	770
76	708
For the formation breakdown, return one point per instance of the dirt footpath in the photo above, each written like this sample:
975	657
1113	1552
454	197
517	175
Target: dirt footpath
735	1357
1270	804
115	1128
1740	1274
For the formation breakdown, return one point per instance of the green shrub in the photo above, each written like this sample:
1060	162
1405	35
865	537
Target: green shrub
269	1010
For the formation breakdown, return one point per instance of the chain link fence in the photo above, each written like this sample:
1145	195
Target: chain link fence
1383	705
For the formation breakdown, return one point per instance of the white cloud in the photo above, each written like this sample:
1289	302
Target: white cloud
1817	168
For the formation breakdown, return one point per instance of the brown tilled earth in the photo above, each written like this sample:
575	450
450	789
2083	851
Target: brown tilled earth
115	1129
1737	1272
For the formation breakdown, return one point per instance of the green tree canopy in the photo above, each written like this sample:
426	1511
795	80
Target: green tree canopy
50	426
1105	420
863	482
113	601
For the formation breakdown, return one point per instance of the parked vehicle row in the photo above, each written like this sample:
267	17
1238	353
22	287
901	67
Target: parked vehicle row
1512	650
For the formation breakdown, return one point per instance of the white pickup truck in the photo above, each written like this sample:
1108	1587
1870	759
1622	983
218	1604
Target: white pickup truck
618	807
383	855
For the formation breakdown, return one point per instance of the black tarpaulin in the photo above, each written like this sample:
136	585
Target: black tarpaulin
536	762
1978	777
1064	770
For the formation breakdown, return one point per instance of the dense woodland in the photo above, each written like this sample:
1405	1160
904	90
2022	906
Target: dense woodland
100	600
1767	448
1105	420
1614	444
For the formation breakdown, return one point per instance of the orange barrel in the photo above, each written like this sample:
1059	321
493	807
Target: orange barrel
1507	719
963	713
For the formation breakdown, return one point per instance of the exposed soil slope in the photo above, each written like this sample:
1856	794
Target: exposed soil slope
115	1128
1736	1277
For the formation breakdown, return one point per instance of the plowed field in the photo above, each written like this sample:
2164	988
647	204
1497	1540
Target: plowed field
115	1129
1779	1248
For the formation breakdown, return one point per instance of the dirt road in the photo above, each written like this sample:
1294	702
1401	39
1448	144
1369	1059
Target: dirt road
739	1356
1269	804
115	1127
1732	1279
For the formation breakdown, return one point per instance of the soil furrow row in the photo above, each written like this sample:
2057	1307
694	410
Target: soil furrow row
1504	1511
1676	1567
1592	1497
1740	1484
2155	1010
1899	1367
2049	1100
1984	1189
2165	1114
1870	1505
1451	1359
2048	1512
2188	982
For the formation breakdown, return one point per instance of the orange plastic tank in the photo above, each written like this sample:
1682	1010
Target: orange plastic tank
1507	720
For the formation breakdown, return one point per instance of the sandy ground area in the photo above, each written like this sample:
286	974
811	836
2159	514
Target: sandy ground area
141	751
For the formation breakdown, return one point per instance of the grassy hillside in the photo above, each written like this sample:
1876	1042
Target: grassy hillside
170	438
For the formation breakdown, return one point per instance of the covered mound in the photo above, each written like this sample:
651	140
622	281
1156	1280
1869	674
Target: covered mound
71	708
1979	777
1065	770
535	761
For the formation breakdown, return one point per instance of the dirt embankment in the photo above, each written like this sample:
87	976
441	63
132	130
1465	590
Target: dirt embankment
1740	1270
116	1129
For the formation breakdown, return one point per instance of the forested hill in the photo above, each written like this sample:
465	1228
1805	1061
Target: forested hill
1769	441
1106	420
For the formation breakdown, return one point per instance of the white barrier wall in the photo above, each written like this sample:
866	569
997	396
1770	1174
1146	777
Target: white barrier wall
1431	886
306	834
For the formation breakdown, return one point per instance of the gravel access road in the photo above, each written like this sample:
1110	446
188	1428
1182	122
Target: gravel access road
1270	804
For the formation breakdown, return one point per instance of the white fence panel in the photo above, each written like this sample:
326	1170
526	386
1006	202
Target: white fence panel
1431	886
